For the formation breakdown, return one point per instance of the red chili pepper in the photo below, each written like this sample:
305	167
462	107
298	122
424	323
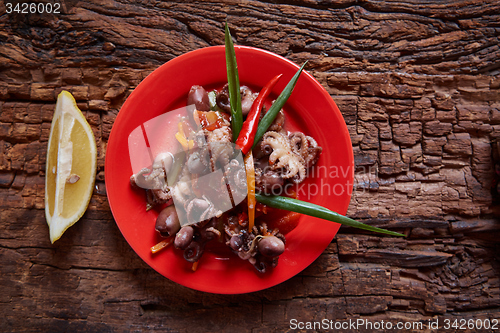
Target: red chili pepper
247	133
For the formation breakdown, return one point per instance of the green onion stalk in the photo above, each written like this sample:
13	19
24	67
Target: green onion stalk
279	202
314	210
233	85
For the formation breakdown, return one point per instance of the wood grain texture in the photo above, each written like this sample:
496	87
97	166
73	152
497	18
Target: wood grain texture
418	84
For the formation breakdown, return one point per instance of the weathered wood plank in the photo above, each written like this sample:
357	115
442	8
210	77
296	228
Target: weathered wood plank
417	83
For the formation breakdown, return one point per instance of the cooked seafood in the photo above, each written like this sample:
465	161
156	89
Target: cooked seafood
199	207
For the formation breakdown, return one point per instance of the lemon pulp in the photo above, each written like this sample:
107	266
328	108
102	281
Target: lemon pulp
70	167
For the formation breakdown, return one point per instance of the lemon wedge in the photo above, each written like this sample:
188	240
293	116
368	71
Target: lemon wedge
70	167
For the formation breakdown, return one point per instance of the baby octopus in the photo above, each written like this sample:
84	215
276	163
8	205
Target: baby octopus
282	157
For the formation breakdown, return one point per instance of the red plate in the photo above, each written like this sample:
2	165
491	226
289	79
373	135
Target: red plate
309	109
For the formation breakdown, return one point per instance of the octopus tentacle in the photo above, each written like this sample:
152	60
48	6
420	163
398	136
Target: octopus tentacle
203	233
278	123
312	157
299	143
199	210
306	147
311	141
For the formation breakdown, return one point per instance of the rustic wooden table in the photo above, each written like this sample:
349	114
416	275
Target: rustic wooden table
419	87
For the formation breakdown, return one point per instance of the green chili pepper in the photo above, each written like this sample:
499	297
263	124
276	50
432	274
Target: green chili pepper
273	111
310	209
233	85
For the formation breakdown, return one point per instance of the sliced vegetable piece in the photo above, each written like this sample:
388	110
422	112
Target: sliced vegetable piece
212	97
161	245
182	140
314	210
194	267
250	171
233	85
273	111
211	120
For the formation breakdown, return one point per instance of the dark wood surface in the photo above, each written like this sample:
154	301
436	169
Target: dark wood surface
419	87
